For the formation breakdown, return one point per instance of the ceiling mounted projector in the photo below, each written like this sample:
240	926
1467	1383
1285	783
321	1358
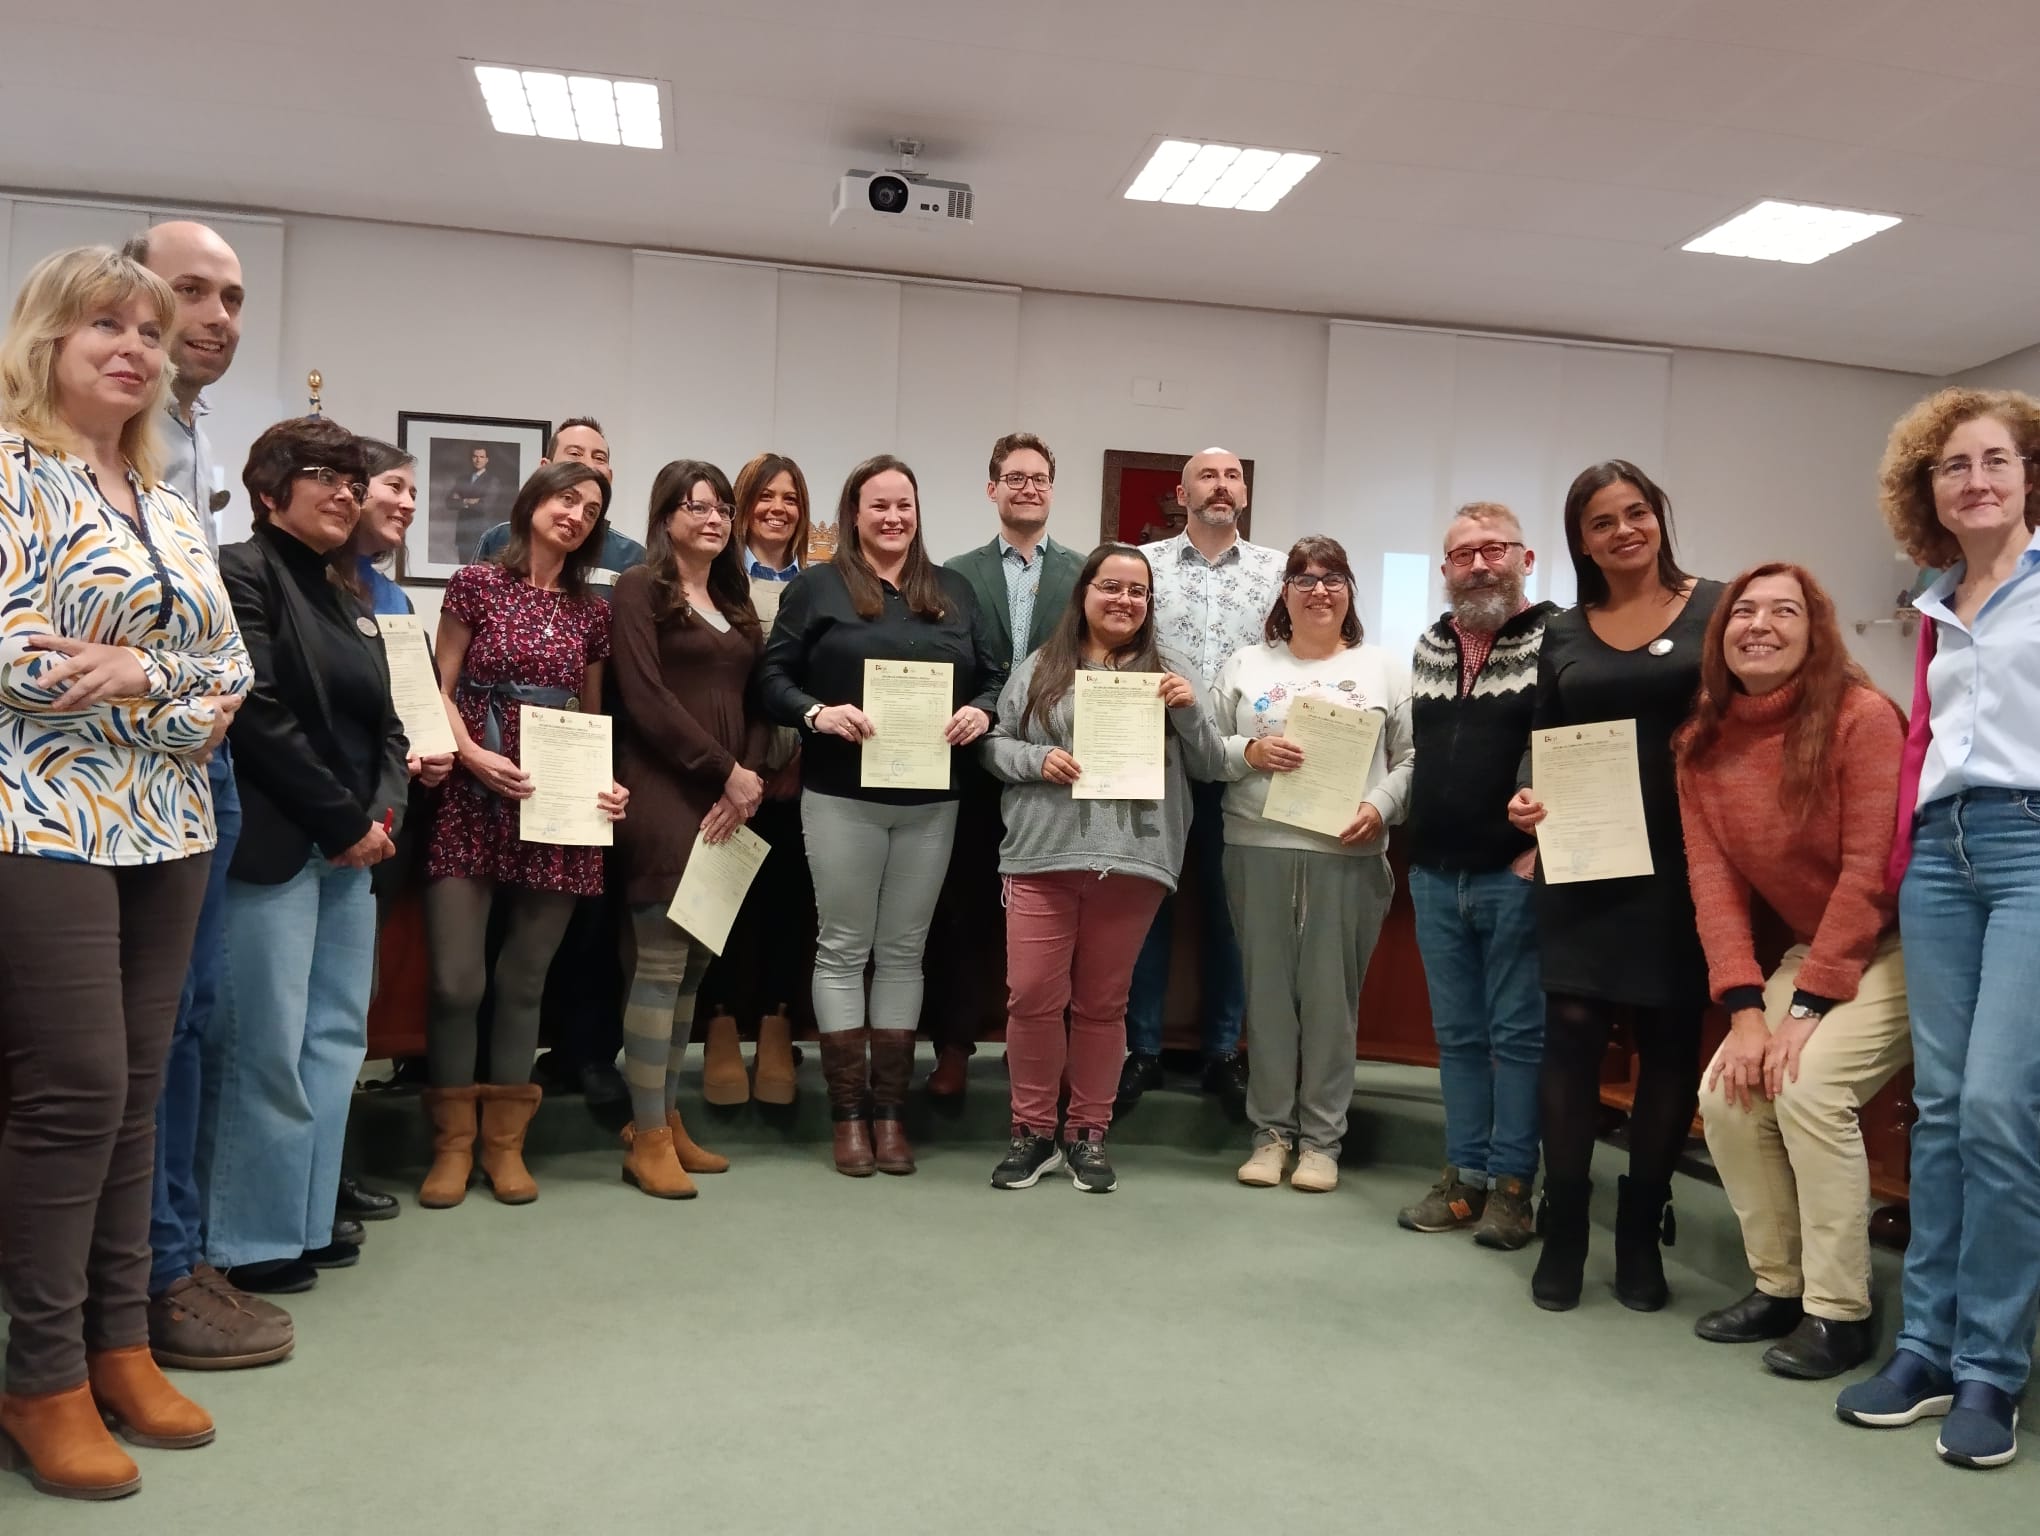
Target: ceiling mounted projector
904	198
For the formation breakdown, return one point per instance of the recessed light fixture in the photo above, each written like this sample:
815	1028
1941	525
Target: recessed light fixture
592	108
1801	233
1219	175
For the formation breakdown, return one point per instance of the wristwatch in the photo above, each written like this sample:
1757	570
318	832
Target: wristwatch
1801	1011
808	719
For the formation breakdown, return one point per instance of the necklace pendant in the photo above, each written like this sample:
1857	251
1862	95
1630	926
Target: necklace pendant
1661	647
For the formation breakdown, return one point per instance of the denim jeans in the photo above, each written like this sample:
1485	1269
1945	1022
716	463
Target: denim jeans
281	1057
1478	936
1225	981
176	1236
1970	913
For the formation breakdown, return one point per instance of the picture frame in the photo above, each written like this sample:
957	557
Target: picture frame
1138	503
469	471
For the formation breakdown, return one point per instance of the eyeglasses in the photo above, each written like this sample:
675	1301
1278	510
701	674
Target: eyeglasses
1112	588
1019	482
1310	582
710	509
1997	465
331	479
1493	554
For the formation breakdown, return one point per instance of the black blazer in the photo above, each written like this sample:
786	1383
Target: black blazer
289	763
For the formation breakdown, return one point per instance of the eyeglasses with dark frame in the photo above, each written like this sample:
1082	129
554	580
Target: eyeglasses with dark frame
330	478
1015	481
1494	553
708	509
1310	581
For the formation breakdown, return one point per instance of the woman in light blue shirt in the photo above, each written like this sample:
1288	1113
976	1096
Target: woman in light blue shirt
1961	490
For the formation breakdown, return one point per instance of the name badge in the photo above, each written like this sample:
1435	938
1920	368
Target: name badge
367	626
602	577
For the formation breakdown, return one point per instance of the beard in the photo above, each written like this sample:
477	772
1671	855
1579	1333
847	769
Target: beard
1216	513
1485	601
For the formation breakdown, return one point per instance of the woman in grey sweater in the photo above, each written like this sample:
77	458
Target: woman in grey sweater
1083	877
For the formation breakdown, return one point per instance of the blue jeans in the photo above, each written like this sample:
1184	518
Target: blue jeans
281	1058
1970	913
1225	981
1478	936
176	1235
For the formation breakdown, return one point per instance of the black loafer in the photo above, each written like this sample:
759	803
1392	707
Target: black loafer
335	1255
1752	1320
1226	1076
275	1277
1821	1347
358	1202
1142	1071
352	1233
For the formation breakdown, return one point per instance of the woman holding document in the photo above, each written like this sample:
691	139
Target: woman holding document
1084	876
322	766
1624	949
524	630
1319	751
686	638
882	660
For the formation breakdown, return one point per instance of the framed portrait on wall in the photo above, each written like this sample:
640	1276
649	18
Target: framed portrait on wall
1138	505
469	472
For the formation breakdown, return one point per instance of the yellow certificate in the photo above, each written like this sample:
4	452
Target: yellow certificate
909	705
414	688
712	886
566	753
1593	828
765	597
1338	748
1118	740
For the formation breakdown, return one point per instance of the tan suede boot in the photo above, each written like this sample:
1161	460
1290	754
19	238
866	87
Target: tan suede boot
137	1397
650	1164
63	1443
722	1064
693	1157
507	1111
775	1080
452	1111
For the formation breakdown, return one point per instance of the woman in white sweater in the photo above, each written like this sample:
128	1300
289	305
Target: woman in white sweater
1308	904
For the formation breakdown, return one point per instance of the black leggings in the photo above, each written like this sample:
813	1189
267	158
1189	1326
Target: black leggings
1576	1035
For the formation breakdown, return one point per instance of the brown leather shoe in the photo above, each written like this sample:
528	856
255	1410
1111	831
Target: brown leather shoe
507	1111
723	1080
132	1391
452	1111
195	1326
62	1443
846	1069
851	1147
889	1145
952	1073
649	1163
892	1073
774	1080
694	1157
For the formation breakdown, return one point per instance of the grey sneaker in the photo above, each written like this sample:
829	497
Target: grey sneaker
1090	1169
1508	1222
1452	1204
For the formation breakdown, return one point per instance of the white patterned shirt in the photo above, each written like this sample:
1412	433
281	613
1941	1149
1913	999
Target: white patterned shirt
1023	581
1207	610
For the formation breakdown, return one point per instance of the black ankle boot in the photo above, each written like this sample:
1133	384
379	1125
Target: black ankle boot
1562	1218
1642	1214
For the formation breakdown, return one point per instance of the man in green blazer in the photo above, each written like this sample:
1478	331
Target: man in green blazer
1023	580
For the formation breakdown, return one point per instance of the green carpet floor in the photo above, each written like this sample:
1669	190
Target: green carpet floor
797	1352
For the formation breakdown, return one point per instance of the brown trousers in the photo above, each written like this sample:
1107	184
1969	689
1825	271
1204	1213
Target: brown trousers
92	963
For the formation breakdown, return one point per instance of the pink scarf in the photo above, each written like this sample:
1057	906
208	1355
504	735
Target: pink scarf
1919	730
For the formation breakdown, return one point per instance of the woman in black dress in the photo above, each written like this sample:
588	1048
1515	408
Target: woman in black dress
1620	951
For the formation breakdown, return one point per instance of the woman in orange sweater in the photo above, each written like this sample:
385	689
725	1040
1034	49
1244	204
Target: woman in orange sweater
1788	784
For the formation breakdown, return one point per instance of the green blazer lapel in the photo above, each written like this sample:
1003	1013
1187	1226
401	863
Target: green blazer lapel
1060	568
980	567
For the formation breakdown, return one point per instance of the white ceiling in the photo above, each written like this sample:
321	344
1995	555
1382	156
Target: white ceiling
1514	164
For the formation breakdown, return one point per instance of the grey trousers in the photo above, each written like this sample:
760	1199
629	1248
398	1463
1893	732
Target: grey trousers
878	870
457	927
1307	923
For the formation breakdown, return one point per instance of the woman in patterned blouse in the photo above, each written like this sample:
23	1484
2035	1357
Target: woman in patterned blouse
524	629
120	667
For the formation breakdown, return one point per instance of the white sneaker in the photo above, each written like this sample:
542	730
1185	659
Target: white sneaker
1264	1169
1317	1173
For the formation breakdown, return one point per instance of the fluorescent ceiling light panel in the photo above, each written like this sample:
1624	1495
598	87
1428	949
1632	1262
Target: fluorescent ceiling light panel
546	104
1800	233
1219	175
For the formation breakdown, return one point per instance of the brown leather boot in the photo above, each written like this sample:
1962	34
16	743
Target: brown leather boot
845	1068
693	1157
507	1111
775	1080
133	1392
722	1064
892	1072
452	1111
61	1440
649	1163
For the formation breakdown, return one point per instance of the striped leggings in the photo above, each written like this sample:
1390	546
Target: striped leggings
658	1014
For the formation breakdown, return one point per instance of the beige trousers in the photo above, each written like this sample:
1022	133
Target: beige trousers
1794	1167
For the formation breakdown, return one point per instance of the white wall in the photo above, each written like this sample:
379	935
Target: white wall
2016	370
